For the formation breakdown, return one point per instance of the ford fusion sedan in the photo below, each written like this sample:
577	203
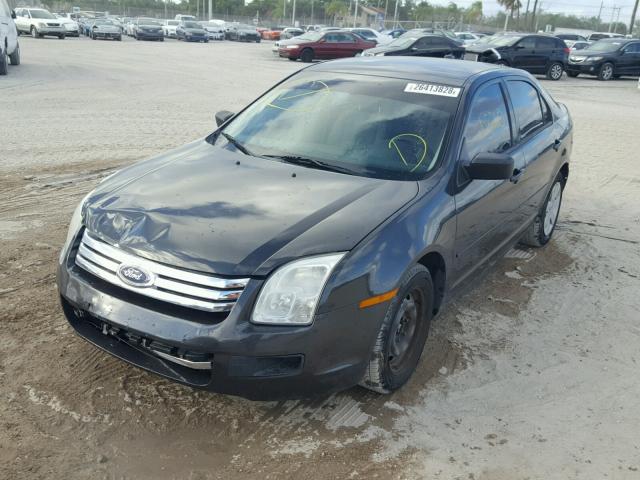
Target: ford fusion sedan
539	54
191	31
323	46
147	29
39	23
420	46
306	245
105	29
606	59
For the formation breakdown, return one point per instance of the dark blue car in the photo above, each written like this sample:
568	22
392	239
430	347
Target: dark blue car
306	244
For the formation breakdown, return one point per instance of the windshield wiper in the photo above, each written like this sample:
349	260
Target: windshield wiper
236	144
309	162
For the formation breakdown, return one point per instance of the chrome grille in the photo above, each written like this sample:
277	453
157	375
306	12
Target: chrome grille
181	287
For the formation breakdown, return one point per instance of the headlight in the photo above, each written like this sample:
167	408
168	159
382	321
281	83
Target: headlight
290	295
292	46
74	227
593	59
380	54
42	24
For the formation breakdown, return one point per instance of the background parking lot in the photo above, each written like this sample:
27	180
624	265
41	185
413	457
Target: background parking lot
531	374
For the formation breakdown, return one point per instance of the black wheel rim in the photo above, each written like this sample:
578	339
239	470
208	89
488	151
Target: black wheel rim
404	329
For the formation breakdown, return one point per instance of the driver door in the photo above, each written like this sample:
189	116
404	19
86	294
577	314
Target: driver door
486	210
524	53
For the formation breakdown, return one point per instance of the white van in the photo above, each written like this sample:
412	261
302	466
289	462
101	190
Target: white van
9	47
183	18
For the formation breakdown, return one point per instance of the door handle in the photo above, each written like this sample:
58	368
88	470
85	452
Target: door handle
517	175
556	144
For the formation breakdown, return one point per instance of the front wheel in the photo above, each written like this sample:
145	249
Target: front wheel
307	55
3	62
554	72
34	32
606	72
540	231
403	332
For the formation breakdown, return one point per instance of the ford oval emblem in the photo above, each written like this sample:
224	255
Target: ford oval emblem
135	276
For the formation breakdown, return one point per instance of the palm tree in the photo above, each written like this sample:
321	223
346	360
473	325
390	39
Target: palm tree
510	6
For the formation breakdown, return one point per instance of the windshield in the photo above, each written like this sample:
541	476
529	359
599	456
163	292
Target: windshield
502	40
40	14
605	46
192	25
402	42
103	22
148	21
173	22
360	125
311	36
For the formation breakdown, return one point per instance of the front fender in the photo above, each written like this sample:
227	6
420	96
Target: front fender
376	265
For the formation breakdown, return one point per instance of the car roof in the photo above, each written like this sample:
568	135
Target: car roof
439	70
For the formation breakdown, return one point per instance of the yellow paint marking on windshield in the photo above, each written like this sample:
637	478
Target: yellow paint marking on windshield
393	142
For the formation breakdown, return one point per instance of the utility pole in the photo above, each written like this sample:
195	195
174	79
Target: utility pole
395	16
284	9
355	14
613	11
615	27
600	15
533	15
312	22
633	18
293	16
210	9
526	16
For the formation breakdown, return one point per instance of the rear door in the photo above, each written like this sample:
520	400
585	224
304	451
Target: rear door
347	45
538	144
544	51
486	209
423	47
328	46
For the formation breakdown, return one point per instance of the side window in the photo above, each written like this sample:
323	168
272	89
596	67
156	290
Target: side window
545	43
423	43
527	107
440	43
633	48
528	42
331	38
487	129
347	38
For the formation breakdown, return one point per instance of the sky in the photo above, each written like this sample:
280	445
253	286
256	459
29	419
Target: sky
588	8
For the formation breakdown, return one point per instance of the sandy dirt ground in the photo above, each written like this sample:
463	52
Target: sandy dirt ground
532	374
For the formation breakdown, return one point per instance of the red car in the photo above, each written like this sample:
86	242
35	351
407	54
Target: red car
323	45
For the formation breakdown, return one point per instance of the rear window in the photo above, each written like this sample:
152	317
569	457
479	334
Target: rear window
527	106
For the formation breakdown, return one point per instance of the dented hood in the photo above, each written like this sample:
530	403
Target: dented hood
208	209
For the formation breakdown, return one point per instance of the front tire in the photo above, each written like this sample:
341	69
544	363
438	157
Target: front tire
540	231
307	55
606	72
555	70
34	32
403	333
3	62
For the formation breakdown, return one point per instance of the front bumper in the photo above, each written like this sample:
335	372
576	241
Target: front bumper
259	362
107	35
196	38
51	30
588	68
288	53
149	35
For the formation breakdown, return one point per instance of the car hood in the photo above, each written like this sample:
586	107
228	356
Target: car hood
585	52
384	49
107	28
208	209
199	31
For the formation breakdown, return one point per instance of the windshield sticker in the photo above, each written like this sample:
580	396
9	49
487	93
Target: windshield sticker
431	89
312	93
412	144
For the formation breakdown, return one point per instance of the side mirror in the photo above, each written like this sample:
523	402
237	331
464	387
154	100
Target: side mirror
13	14
491	166
223	116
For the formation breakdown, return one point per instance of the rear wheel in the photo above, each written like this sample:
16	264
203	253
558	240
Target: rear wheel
606	72
3	62
293	59
540	231
307	55
554	72
15	56
402	334
573	74
356	53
